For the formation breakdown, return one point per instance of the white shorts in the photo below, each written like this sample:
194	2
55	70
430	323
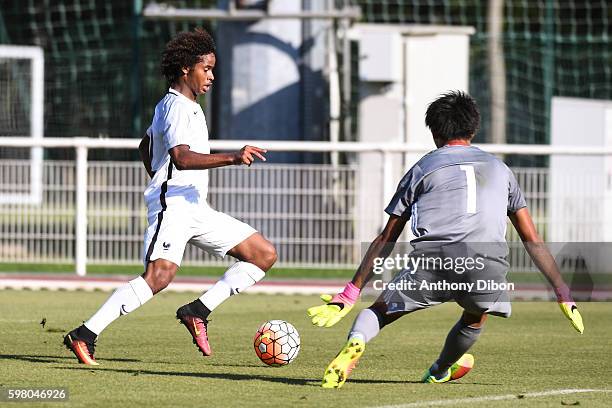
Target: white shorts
170	230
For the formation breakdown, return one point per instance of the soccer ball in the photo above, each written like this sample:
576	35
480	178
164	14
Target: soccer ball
277	343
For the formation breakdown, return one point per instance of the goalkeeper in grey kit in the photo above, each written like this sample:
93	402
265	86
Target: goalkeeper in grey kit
457	199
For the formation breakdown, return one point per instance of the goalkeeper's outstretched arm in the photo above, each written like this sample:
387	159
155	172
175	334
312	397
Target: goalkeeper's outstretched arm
381	247
545	262
537	250
338	306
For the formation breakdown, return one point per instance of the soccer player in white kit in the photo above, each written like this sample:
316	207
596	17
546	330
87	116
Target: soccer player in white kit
176	154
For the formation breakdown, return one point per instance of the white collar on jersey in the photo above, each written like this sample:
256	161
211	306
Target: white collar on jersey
180	95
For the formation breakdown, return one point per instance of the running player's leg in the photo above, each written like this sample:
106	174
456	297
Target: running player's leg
132	295
164	245
256	256
122	301
164	251
460	339
223	235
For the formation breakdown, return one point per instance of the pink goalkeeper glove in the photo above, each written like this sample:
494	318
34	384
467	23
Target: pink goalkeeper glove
336	307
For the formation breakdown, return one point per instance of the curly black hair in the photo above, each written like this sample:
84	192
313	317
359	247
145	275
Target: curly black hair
185	50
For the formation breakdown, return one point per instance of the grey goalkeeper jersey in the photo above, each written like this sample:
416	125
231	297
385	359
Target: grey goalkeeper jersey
457	194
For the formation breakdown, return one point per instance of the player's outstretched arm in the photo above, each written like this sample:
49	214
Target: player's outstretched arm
545	262
185	159
143	149
338	306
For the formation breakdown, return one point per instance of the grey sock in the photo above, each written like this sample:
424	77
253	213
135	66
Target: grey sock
366	325
459	340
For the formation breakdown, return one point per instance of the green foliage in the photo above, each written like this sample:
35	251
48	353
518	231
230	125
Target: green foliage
101	62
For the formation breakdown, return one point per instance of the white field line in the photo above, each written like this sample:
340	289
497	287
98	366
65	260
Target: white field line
437	403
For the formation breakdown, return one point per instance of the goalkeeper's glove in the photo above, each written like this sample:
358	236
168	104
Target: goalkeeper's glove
336	307
569	308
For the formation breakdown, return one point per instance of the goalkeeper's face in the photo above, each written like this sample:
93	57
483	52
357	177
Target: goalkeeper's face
200	77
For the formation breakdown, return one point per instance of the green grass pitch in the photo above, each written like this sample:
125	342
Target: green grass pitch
147	359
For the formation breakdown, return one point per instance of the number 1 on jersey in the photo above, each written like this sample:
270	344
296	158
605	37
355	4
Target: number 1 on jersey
470	177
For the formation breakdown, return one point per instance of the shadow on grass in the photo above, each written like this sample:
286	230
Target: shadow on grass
246	365
221	376
237	365
464	382
56	359
312	382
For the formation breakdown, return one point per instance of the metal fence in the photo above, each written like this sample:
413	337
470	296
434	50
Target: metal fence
312	213
308	211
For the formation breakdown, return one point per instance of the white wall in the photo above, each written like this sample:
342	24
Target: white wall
402	69
578	183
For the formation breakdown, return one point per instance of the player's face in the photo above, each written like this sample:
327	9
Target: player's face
200	77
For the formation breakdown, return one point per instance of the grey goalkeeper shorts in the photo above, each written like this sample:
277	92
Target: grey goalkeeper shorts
477	292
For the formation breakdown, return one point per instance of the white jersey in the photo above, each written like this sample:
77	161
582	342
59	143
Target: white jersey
177	120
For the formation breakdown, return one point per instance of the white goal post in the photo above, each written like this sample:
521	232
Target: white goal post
27	88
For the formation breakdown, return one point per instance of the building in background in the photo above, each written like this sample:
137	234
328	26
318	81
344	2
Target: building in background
271	81
94	51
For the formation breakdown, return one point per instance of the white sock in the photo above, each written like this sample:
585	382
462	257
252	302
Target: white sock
366	326
125	299
237	278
